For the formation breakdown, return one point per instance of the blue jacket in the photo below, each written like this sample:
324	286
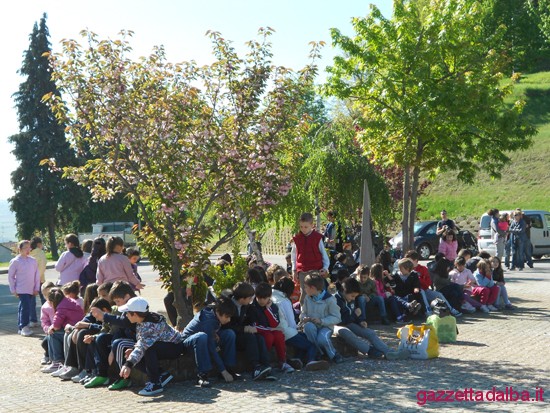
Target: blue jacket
206	322
483	281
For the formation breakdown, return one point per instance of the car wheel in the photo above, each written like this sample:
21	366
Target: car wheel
424	251
537	257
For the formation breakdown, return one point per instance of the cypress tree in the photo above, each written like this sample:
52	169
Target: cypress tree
39	193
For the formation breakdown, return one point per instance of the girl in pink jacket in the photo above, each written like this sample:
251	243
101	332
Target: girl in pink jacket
449	245
24	280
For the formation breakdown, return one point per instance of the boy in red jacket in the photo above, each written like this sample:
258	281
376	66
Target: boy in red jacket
308	253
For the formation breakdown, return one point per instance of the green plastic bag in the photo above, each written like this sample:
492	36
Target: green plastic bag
445	327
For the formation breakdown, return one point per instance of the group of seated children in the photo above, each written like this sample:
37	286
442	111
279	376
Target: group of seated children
114	327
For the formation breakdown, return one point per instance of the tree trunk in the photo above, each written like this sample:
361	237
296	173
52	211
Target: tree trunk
405	225
183	304
367	250
412	208
251	238
51	235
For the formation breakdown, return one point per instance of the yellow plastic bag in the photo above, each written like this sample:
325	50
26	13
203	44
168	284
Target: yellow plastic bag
421	341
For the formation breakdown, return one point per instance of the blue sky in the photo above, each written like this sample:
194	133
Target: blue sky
178	25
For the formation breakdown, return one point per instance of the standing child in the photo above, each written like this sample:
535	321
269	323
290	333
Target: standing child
266	320
24	280
37	252
134	257
320	313
353	328
72	262
308	253
114	266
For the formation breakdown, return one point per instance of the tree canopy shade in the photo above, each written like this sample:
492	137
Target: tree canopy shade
194	147
431	93
39	194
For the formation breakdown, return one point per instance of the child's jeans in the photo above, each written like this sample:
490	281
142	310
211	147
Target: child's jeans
252	344
24	310
354	335
504	295
320	336
304	347
429	295
275	338
374	301
55	346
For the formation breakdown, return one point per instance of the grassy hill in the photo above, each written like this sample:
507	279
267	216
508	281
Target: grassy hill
525	181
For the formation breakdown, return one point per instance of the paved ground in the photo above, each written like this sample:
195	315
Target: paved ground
498	350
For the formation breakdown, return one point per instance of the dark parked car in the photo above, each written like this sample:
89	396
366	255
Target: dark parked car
426	241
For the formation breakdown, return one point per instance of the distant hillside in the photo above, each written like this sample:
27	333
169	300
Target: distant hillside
7	223
525	182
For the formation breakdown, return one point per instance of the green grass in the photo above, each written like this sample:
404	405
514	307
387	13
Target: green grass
4	264
525	181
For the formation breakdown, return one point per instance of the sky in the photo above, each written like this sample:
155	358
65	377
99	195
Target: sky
178	25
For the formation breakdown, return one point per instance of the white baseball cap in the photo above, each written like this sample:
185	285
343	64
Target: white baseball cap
137	304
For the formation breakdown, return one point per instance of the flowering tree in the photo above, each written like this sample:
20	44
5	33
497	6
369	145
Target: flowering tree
195	147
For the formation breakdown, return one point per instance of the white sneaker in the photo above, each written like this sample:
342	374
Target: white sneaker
26	331
492	308
467	307
287	368
60	371
484	308
52	367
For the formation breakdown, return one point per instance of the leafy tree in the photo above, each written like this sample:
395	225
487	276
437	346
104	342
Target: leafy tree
194	147
523	41
39	194
431	94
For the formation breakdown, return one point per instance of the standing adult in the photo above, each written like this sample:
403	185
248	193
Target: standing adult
527	247
517	240
445	224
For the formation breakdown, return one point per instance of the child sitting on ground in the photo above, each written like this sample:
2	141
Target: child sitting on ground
306	350
46	319
156	340
266	321
353	328
246	337
464	277
66	311
369	298
204	331
486	289
407	287
320	313
498	278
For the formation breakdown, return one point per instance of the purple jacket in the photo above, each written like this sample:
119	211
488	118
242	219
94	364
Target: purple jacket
23	275
67	312
69	267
